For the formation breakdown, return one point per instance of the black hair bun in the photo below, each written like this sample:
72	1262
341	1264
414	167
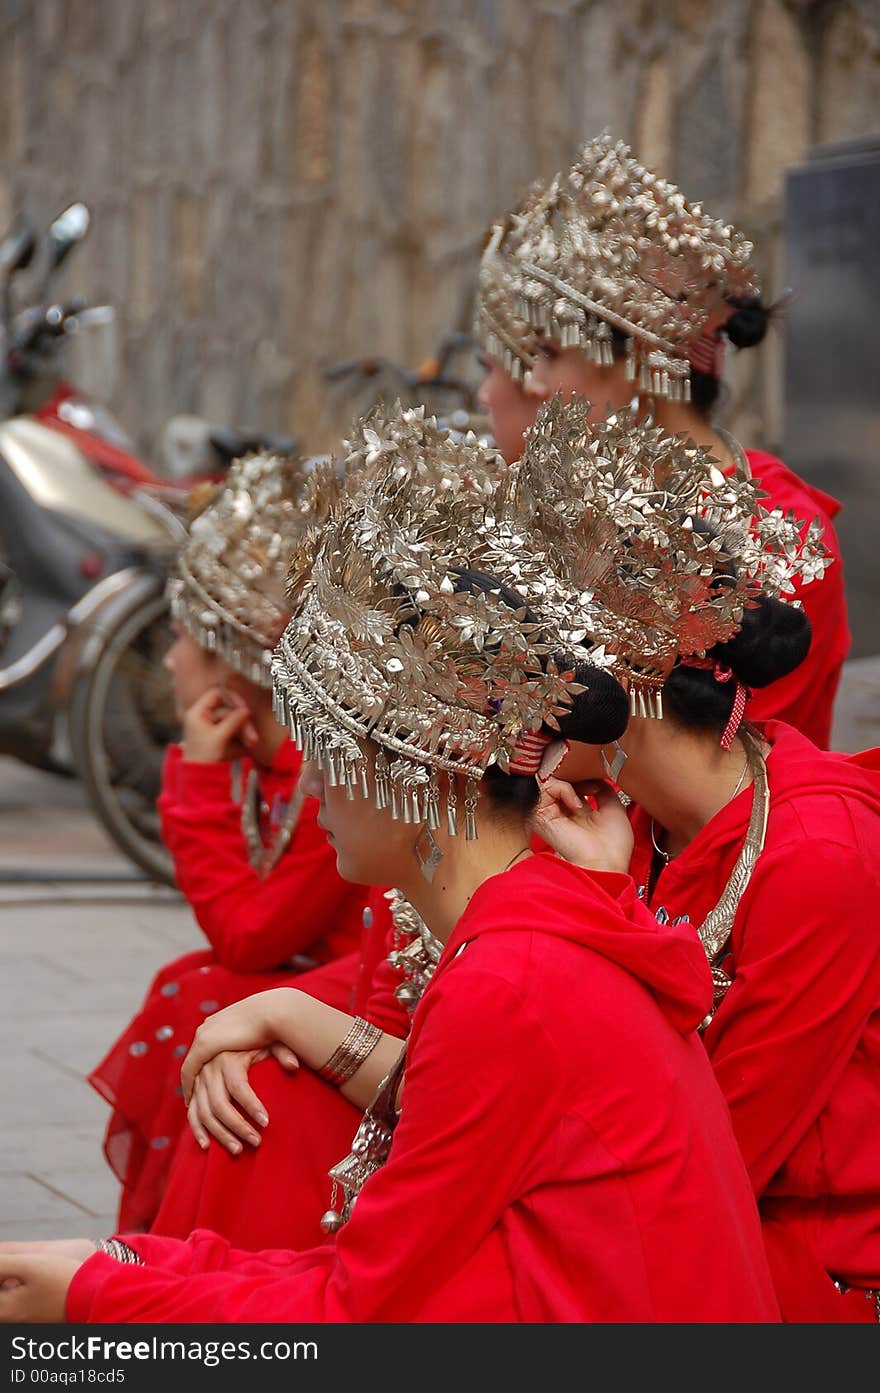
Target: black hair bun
599	714
748	323
773	641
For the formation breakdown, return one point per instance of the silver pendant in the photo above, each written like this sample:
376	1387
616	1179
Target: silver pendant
427	853
614	766
331	1222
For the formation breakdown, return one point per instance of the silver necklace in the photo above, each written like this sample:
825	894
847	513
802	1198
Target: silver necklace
515	857
737	453
264	859
667	856
717	926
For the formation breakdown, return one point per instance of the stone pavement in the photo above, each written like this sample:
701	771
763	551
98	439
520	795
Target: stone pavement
857	709
72	972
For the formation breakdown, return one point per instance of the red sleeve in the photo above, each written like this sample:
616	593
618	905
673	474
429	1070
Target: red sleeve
807	957
253	924
417	1220
383	1007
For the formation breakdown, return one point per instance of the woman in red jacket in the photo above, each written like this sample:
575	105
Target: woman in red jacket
769	846
556	1149
221	1180
248	853
608	283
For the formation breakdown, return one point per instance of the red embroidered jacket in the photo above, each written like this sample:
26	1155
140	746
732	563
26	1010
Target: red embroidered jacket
255	924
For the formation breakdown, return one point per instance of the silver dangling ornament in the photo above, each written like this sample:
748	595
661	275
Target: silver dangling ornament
331	1219
369	1150
613	767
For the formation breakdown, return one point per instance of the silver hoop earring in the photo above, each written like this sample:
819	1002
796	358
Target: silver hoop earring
614	766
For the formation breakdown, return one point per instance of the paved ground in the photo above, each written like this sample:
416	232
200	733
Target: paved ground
857	711
74	963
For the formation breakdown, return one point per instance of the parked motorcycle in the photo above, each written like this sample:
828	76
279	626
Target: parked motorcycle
83	616
36	384
83	623
87	535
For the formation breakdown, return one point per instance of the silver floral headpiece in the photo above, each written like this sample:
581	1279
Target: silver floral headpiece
229	589
388	643
612	244
499	325
666	549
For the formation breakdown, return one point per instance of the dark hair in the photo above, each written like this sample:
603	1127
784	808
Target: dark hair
705	388
747	325
597	715
774	639
744	328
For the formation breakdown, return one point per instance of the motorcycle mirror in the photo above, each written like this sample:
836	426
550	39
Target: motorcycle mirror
68	228
17	248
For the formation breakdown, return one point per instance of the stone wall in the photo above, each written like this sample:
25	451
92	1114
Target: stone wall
277	184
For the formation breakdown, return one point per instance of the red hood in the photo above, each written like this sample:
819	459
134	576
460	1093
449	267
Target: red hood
540	895
788	490
795	767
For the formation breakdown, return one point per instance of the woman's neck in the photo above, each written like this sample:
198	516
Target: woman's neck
678	418
682	779
462	870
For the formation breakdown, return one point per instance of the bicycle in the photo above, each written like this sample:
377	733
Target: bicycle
449	395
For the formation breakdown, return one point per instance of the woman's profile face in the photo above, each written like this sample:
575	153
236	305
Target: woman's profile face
569	371
371	847
511	410
193	670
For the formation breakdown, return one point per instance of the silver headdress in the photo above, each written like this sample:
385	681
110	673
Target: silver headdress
666	550
388	643
611	243
229	589
500	326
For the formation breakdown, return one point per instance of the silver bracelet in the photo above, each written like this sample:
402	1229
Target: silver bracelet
119	1251
351	1052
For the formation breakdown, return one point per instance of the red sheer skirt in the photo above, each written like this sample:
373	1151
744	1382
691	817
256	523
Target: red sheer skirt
140	1075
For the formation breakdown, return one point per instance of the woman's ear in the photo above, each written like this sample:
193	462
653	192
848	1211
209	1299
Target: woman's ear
533	387
246	691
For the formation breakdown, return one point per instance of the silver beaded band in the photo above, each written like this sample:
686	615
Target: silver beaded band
350	1054
119	1251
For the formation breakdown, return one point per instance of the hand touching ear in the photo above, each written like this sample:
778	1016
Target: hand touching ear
214	725
585	824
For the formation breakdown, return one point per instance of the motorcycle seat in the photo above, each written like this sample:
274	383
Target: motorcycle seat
232	444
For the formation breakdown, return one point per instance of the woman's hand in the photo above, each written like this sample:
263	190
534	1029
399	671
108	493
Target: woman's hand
223	1084
598	838
33	1285
216	726
254	1023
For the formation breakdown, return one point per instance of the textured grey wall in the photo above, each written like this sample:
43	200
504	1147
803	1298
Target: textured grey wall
280	183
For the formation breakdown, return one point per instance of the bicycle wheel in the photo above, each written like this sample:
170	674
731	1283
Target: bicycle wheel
121	719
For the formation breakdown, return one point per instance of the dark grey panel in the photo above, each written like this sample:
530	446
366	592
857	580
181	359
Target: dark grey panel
832	379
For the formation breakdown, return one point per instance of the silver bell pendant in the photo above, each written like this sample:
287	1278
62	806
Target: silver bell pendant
407	994
331	1221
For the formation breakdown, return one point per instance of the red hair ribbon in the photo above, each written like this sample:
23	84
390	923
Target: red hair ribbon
528	752
706	354
723	673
